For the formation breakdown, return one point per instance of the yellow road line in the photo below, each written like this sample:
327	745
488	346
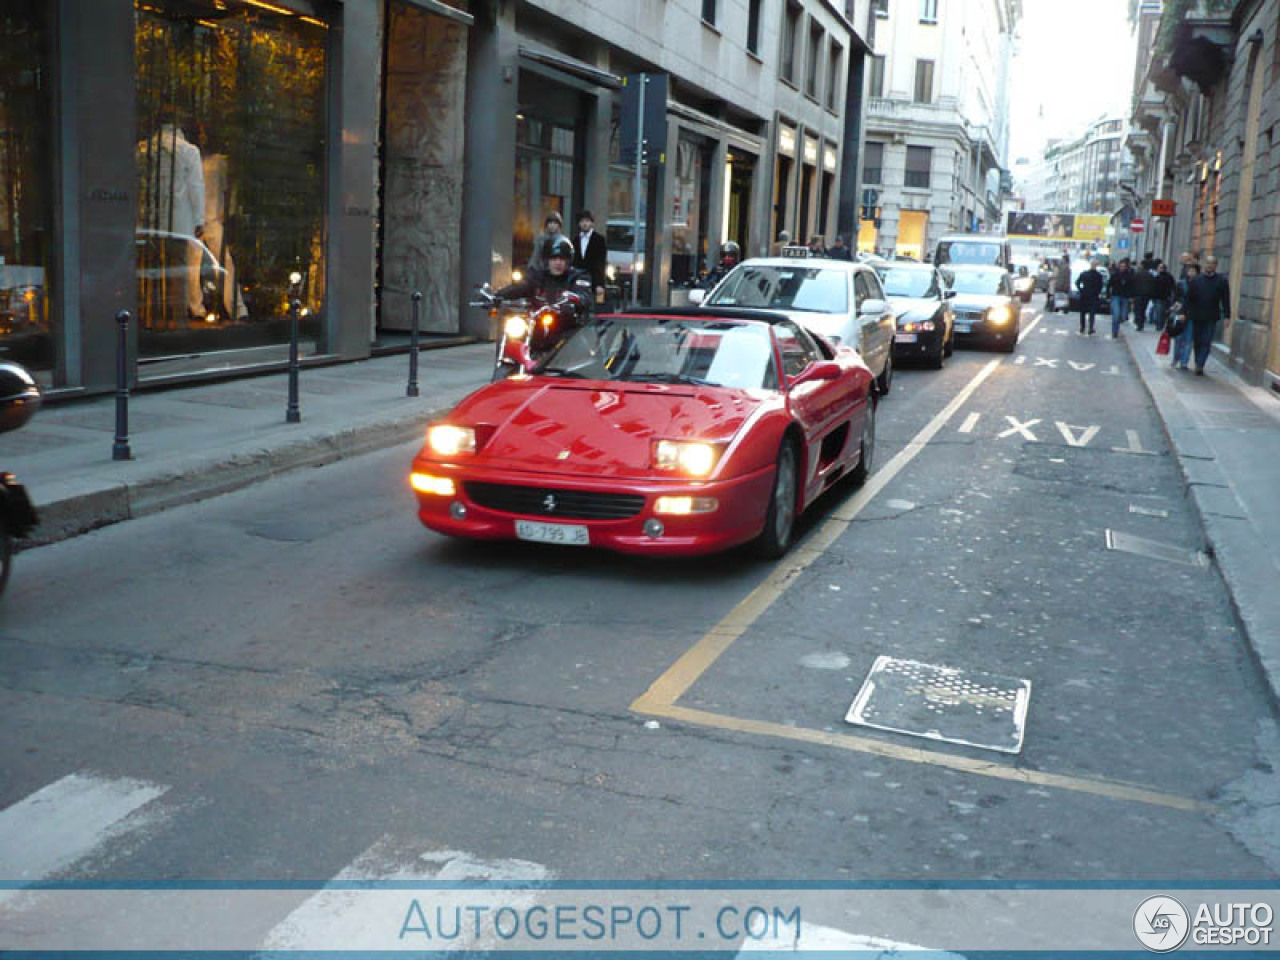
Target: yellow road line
660	699
1111	789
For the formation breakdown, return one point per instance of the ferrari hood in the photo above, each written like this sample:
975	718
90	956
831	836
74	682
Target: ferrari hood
596	428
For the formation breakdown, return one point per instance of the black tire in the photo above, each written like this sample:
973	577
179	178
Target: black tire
6	555
780	518
866	446
939	359
951	344
885	380
1011	346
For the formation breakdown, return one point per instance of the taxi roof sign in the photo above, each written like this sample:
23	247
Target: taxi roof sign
797	251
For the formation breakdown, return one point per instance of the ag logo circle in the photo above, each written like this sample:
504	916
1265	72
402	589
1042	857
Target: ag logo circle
1161	924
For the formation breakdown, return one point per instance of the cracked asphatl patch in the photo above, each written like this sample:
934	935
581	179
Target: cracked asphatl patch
966	707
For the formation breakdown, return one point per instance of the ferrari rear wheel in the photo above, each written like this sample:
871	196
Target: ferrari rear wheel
867	446
780	518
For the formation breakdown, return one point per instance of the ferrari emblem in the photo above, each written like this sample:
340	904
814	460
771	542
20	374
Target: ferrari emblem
549	503
562	455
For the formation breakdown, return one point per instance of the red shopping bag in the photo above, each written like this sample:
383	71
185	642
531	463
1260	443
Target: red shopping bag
1162	348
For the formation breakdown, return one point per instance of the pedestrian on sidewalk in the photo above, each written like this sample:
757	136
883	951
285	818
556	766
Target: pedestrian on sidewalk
1119	289
1208	302
1089	284
1180	327
1165	287
552	228
1143	290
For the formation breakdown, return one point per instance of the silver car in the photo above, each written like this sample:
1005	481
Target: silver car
840	301
985	307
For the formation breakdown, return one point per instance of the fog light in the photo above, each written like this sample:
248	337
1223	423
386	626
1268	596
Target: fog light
439	486
653	528
458	510
682	506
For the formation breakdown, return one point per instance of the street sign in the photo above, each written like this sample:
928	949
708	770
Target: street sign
1136	225
1164	208
651	130
1123	243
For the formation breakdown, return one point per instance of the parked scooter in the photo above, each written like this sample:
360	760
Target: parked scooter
19	401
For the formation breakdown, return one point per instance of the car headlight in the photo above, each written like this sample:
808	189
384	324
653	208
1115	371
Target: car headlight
1000	315
516	327
611	272
694	458
916	326
449	441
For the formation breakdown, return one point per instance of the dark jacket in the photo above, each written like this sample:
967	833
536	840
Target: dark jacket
1164	286
1208	299
1089	284
1143	283
1120	283
545	284
597	259
839	253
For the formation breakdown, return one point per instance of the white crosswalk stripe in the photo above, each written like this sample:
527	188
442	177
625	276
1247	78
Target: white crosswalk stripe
68	821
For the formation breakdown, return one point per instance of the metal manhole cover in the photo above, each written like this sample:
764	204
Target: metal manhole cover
967	707
1154	549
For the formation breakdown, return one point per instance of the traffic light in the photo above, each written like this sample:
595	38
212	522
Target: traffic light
869	209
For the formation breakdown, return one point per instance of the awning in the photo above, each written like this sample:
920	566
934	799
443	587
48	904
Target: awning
577	69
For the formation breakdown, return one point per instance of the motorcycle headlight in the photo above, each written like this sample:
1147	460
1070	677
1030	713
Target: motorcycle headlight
516	327
1000	315
449	441
694	458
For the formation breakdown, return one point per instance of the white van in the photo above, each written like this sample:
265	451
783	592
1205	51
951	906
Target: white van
976	249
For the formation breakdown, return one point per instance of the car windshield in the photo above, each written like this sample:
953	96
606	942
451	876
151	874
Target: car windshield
908	283
977	281
720	353
815	289
980	252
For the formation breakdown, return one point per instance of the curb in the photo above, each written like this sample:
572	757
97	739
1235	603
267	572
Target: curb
79	513
1242	558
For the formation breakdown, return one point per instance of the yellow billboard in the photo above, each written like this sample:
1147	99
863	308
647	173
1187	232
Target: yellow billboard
1077	227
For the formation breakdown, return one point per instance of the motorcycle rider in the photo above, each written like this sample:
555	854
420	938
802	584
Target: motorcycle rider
730	257
567	290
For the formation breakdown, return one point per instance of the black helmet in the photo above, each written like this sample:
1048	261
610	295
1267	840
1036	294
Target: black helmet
731	249
560	247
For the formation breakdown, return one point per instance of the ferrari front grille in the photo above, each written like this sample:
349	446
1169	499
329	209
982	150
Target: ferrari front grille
551	502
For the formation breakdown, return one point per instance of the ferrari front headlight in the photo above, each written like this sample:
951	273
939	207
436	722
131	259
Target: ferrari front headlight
694	458
449	441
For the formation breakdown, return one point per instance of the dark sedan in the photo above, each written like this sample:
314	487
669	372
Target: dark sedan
985	307
921	302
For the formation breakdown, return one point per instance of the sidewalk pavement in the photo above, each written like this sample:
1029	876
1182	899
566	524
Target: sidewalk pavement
1226	436
194	442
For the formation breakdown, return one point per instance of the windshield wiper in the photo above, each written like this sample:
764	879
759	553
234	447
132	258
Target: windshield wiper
668	378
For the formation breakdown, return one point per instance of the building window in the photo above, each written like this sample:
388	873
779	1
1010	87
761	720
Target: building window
880	7
815	59
834	64
928	11
919	161
924	81
790	30
26	240
873	163
546	154
709	12
753	26
231	175
876	87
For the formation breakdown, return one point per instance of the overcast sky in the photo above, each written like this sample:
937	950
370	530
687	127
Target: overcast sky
1074	59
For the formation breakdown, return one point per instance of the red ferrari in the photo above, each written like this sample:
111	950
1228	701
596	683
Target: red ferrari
661	432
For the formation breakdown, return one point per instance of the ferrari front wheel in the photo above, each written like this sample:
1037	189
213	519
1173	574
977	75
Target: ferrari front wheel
780	518
866	445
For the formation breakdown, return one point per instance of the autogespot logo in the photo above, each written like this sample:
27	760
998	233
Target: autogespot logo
1161	924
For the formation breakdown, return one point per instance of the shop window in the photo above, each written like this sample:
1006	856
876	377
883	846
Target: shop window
688	210
545	159
231	174
26	241
912	228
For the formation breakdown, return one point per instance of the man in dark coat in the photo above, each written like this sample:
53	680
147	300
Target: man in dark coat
1208	302
1119	289
1143	291
1089	284
590	252
1165	287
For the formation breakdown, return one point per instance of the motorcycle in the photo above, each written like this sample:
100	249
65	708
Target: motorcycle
19	401
528	329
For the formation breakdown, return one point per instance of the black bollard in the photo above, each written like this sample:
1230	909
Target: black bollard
120	450
292	414
412	389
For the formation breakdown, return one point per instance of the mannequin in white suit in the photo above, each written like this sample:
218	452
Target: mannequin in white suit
174	200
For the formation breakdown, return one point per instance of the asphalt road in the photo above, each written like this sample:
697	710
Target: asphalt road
297	677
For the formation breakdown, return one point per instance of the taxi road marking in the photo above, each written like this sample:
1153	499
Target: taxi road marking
660	699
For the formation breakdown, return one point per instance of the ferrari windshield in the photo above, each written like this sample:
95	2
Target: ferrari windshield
815	289
977	281
903	282
687	350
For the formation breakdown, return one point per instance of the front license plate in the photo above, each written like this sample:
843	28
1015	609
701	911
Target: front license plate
963	328
568	534
904	338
